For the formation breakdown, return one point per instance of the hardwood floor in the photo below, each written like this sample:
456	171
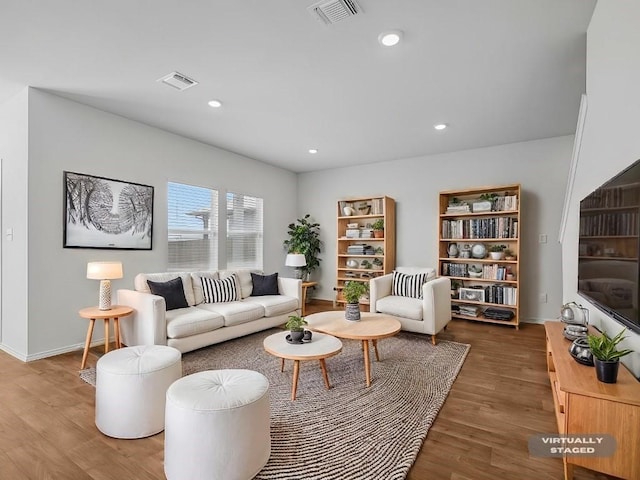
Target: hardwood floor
500	398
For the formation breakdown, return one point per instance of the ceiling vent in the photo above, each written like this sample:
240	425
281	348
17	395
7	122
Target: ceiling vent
334	11
178	80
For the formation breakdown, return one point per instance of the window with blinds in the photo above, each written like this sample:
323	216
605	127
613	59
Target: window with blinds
244	232
192	227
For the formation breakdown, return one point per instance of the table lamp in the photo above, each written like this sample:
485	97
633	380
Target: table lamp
105	272
297	261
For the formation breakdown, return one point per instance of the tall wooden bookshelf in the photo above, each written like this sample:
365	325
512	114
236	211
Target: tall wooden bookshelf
471	222
360	255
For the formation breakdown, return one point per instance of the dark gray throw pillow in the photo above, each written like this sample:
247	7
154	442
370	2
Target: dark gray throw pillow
172	291
264	284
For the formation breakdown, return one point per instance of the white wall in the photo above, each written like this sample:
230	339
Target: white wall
65	135
14	153
540	167
610	140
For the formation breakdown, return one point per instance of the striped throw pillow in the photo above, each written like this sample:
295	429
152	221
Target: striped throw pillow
408	285
217	291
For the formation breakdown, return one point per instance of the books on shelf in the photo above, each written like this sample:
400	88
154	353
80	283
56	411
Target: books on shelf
472	228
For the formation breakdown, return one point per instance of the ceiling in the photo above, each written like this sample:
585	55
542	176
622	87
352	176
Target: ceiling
496	71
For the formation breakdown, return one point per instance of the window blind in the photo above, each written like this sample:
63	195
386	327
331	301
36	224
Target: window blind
192	227
244	232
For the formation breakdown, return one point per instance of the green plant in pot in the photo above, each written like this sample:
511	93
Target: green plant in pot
455	286
304	238
352	292
378	228
606	355
497	251
295	325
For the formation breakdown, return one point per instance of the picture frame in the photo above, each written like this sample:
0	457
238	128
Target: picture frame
471	294
105	213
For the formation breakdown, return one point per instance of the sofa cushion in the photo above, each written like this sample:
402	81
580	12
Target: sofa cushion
141	285
405	307
264	284
215	291
196	284
235	313
274	304
245	285
172	291
405	285
185	322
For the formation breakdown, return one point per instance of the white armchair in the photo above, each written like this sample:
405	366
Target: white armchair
429	314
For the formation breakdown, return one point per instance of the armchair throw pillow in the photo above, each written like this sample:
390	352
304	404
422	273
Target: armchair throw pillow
264	284
172	292
218	291
404	285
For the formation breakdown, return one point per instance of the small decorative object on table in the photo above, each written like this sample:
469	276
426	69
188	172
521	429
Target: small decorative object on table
296	325
364	208
452	250
606	355
576	318
352	292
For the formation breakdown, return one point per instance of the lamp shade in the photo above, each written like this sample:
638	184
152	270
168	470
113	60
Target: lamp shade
104	270
295	260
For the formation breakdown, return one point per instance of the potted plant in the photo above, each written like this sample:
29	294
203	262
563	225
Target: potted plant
497	251
296	325
475	271
304	238
378	228
606	356
455	285
377	263
352	292
509	255
366	264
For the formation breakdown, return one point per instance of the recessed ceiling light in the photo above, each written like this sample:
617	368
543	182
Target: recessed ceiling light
440	126
215	103
390	38
313	150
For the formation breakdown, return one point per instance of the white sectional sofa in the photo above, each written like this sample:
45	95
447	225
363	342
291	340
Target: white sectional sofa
200	324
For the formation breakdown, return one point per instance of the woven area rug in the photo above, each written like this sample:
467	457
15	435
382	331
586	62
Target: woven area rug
349	431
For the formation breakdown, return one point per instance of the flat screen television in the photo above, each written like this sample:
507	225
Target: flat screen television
609	249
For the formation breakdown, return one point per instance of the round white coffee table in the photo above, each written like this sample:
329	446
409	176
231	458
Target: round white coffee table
371	327
320	347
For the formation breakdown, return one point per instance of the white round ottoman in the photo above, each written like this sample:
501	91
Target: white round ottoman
131	388
217	426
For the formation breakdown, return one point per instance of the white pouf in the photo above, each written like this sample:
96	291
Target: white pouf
217	426
131	388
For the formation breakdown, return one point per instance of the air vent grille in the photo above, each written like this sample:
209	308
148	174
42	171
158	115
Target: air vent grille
333	11
178	80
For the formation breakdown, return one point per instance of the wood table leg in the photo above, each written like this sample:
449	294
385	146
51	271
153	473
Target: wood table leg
323	367
367	366
116	331
282	364
87	343
375	347
106	335
296	371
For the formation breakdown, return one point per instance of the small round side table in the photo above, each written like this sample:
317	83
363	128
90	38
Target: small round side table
93	314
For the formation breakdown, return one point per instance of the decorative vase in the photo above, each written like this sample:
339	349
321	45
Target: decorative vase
348	211
297	335
606	370
352	312
453	250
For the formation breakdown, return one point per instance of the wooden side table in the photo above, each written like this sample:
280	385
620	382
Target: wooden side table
93	314
305	287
